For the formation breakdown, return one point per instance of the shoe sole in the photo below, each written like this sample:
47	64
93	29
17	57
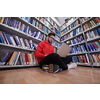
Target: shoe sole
51	66
75	67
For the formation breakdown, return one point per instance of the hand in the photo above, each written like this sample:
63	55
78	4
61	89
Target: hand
45	55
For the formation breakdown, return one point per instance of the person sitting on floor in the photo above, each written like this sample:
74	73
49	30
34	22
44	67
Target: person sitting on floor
49	60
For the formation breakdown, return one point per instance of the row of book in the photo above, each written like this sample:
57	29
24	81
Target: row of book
68	23
14	40
10	21
55	43
57	37
18	58
74	24
78	49
50	20
95	19
82	59
90	24
41	26
36	23
70	27
17	25
86	59
92	34
43	20
74	32
95	58
47	20
71	34
94	46
53	23
84	19
76	40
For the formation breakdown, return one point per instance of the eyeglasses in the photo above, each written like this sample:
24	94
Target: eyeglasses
51	37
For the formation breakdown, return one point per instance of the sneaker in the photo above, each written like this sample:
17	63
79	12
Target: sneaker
72	65
45	68
53	68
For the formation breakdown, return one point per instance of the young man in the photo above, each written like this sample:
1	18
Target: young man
48	59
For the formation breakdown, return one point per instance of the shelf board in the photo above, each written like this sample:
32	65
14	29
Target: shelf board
71	29
9	66
83	64
14	47
92	28
14	31
77	53
69	24
96	65
77	43
94	51
92	39
72	37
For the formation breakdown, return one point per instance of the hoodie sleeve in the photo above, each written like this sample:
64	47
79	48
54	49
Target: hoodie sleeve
39	51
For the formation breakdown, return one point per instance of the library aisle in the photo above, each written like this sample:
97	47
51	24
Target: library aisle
79	75
20	36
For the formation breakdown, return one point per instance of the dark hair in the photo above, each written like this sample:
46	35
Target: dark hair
51	34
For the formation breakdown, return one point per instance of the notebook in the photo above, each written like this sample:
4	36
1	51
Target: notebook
64	50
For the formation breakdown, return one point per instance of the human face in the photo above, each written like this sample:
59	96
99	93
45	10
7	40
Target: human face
50	39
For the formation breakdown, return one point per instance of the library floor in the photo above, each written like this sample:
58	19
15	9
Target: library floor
80	75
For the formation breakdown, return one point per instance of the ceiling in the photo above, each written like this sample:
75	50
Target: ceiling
61	20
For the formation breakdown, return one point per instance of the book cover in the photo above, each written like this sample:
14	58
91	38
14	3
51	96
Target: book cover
97	43
18	55
1	19
6	56
89	46
22	42
16	40
98	31
9	39
1	39
13	41
26	59
12	58
84	59
87	57
93	47
96	46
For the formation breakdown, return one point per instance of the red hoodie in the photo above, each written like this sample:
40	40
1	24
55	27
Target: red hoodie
44	48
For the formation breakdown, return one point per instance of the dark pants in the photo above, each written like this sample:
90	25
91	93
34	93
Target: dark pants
54	58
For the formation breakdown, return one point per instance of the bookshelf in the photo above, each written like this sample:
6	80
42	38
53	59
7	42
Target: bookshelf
23	30
80	33
43	23
90	27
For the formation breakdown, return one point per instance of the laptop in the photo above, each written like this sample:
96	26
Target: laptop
64	50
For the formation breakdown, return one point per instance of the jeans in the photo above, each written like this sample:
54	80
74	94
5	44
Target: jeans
54	58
